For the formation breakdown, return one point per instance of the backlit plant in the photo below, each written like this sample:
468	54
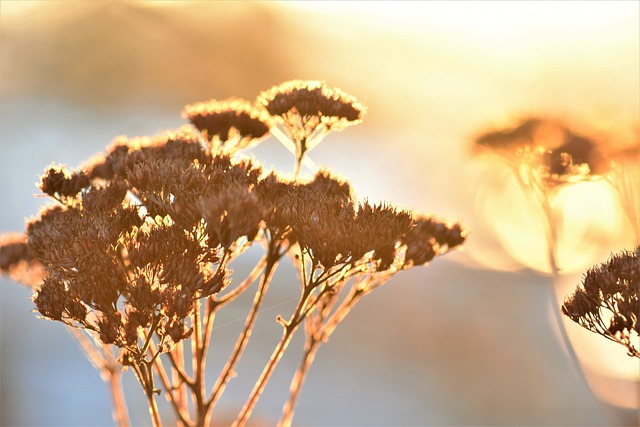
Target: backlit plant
607	302
134	255
547	156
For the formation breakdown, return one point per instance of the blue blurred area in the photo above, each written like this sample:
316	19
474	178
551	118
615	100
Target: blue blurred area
450	344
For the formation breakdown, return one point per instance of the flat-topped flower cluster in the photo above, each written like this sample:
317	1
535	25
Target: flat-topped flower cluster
608	300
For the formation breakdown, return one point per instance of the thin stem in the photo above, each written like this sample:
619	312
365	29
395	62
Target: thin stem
179	369
176	402
245	413
97	360
150	392
551	233
108	369
289	145
244	285
342	312
543	197
311	347
289	329
181	398
120	413
144	373
198	352
225	375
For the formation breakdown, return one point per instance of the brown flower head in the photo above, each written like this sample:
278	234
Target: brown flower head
322	224
379	228
182	144
18	261
233	123
326	182
58	181
309	109
274	192
429	237
231	213
608	303
332	231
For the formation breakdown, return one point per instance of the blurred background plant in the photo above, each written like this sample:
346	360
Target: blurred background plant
547	157
432	75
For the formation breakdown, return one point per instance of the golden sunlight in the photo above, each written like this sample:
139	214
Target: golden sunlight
519	122
492	21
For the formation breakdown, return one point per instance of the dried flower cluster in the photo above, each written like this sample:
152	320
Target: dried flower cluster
18	261
136	249
232	122
554	153
545	156
308	110
608	303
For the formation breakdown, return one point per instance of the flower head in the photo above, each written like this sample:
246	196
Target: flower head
550	148
57	181
181	144
310	109
18	260
429	237
233	123
607	302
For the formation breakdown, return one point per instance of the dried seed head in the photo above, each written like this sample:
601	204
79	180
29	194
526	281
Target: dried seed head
59	181
379	228
308	109
182	144
106	198
18	260
233	212
234	123
429	237
312	98
273	192
326	182
609	295
50	299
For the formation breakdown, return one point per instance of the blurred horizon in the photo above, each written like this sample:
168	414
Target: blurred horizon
434	76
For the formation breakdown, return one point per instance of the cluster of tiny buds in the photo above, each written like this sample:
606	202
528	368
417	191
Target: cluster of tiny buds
608	303
141	233
309	109
312	99
230	122
18	261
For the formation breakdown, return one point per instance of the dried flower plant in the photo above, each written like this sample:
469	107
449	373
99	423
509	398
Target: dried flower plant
308	111
607	302
134	255
232	124
545	156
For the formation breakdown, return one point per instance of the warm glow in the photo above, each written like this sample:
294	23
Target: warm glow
490	20
590	215
11	8
434	75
